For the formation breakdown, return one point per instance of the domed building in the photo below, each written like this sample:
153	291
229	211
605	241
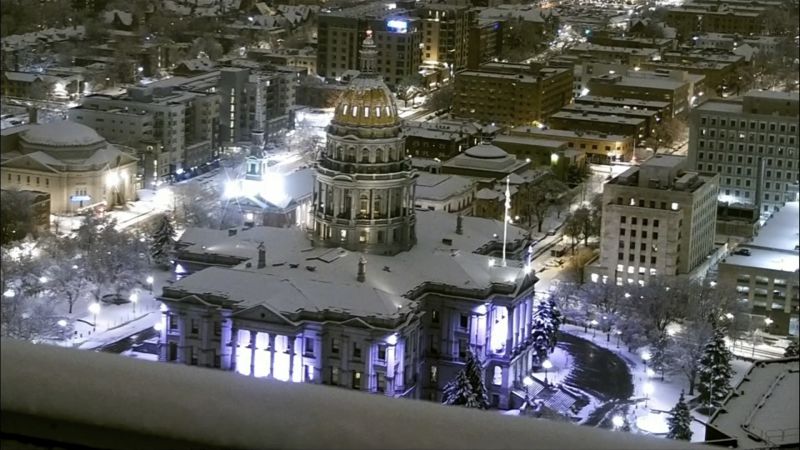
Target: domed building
364	185
69	161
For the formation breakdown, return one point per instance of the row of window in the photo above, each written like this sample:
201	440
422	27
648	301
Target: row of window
28	180
634	220
651	204
743	124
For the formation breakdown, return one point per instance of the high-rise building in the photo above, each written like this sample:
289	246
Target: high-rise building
511	94
397	37
658	220
445	32
753	144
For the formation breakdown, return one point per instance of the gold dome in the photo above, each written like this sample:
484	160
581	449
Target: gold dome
366	102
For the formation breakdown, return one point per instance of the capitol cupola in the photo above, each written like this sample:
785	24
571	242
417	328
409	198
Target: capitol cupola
364	184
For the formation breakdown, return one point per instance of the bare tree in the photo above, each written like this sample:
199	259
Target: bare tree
440	99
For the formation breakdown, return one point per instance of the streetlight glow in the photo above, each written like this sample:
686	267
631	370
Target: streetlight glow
9	293
646	356
768	321
650	373
617	421
62	323
527	381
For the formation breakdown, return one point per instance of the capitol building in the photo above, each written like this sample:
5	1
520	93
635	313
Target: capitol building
69	161
374	296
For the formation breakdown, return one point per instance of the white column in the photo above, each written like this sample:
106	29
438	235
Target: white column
233	340
182	331
205	338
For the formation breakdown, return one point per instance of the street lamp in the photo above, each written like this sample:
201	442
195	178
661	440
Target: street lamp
617	421
134	298
619	333
645	357
594	328
150	282
547	365
94	308
768	321
648	389
650	373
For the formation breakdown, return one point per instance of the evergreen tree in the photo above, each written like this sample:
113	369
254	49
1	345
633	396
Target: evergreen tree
546	322
459	392
163	240
792	350
467	388
474	372
715	370
680	421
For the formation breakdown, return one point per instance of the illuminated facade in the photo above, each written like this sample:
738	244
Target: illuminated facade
395	317
752	143
69	161
658	220
364	189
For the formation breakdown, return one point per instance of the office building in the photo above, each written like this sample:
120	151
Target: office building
658	220
445	34
511	94
397	36
752	143
765	272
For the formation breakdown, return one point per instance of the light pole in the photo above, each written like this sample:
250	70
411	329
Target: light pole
619	333
150	283
134	298
547	365
94	308
607	327
648	389
645	357
594	328
527	381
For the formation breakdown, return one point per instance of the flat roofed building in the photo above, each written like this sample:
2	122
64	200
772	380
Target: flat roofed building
692	18
768	275
753	144
600	123
445	34
762	410
511	94
440	192
667	88
598	147
651	118
658	220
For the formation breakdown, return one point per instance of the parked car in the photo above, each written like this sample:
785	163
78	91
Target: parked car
114	299
742	251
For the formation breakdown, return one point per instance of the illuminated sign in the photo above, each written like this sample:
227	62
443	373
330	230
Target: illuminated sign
80	198
397	26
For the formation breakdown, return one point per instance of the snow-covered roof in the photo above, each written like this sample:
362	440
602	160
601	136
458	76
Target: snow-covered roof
764	407
775	246
286	284
178	406
62	134
440	187
486	151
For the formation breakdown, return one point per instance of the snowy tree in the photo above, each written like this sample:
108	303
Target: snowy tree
791	350
546	322
659	354
686	349
715	370
65	271
162	241
680	421
467	388
459	392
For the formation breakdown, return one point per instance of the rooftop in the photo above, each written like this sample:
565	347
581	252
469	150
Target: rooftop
781	230
763	412
62	134
440	187
287	284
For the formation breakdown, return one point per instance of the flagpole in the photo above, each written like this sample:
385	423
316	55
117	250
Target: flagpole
505	219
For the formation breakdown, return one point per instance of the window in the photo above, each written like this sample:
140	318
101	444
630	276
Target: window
356	380
655	223
356	350
335	376
434	374
464	321
217	328
308	346
195	329
633	221
623	219
652	260
497	376
172	321
435	316
335	345
381	352
622	232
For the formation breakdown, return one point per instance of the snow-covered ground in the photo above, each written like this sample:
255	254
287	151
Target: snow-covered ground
652	418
